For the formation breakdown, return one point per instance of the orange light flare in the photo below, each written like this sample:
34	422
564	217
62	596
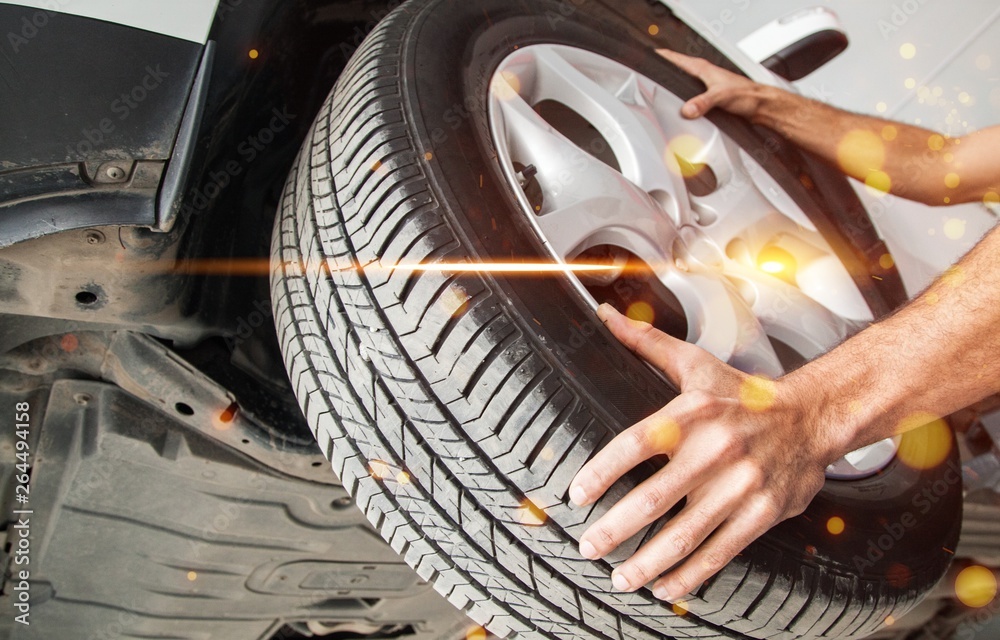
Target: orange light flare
498	267
251	267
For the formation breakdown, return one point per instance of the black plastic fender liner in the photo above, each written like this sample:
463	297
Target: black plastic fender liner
87	106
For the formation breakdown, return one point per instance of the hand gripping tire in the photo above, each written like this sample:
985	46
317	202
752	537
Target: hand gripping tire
457	407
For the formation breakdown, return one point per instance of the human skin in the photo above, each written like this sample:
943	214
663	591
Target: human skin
746	466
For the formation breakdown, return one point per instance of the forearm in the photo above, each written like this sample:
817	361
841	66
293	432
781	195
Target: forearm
935	356
908	161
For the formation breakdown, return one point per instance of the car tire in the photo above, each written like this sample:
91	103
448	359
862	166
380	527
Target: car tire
457	407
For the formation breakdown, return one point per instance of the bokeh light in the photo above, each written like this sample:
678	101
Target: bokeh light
991	198
192	576
69	343
776	261
881	107
878	182
653	29
454	300
640	312
506	86
907	50
954	229
952	180
475	633
254	54
530	515
886	261
899	575
835	525
976	586
909	83
663	436
860	152
889	133
935	142
758	393
380	470
680	608
223	421
689	149
926	446
954	276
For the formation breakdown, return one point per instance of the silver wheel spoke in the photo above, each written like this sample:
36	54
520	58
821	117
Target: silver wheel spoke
746	197
789	315
624	118
721	322
586	201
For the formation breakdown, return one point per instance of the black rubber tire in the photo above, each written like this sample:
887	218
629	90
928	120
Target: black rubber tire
446	402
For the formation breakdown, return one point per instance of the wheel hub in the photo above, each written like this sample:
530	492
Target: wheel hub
614	164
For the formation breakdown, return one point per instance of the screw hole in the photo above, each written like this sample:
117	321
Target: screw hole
245	441
184	409
342	503
317	464
86	297
82	399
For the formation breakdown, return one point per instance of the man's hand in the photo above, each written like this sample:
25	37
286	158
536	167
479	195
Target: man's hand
908	161
740	450
724	89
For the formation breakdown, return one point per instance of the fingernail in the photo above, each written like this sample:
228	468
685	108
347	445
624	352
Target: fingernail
578	496
588	550
660	593
690	111
606	312
621	582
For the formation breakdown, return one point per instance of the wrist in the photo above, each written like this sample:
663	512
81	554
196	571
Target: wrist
774	108
822	413
766	104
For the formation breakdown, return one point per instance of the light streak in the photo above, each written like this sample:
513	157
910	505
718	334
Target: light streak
251	267
499	267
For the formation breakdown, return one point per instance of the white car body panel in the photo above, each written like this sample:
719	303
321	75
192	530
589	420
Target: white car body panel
184	19
957	52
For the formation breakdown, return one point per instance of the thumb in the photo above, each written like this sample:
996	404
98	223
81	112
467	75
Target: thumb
699	68
668	354
691	108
